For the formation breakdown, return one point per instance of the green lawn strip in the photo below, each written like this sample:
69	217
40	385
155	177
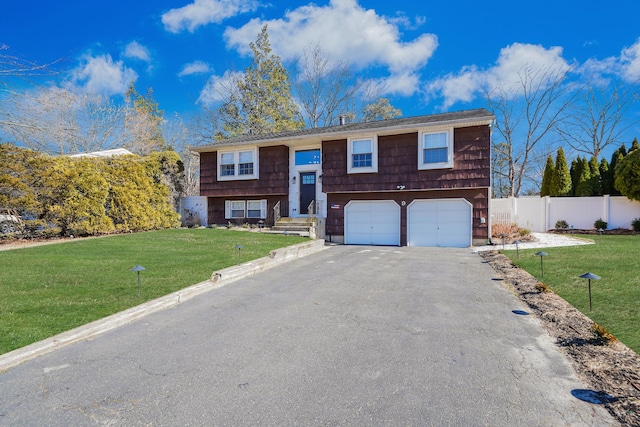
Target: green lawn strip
50	289
615	297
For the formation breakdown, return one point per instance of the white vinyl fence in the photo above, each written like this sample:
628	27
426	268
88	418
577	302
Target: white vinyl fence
540	214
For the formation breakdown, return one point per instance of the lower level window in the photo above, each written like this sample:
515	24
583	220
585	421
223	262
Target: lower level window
237	209
254	209
234	209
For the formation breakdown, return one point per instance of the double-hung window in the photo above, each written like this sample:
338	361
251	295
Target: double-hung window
237	209
362	154
238	164
435	149
245	163
234	209
254	209
227	164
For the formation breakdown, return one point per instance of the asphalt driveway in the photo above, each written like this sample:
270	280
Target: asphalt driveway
349	336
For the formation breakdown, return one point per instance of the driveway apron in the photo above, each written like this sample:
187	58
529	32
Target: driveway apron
351	336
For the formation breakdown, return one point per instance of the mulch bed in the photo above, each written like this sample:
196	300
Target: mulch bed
610	368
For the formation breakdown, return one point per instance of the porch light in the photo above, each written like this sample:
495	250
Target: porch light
590	276
293	180
138	269
541	254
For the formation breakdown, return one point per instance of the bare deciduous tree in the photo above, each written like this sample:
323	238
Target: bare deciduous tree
598	118
526	114
327	90
12	66
324	90
177	135
60	121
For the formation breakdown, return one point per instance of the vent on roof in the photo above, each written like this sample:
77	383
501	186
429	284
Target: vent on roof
343	120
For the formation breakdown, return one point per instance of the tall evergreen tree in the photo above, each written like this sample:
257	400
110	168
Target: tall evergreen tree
262	101
584	174
606	177
595	181
143	122
561	182
627	176
615	158
634	145
573	171
547	177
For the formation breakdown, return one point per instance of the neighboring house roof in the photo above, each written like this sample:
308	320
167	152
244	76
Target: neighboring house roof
480	115
105	153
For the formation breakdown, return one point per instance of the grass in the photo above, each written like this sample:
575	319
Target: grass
615	297
50	289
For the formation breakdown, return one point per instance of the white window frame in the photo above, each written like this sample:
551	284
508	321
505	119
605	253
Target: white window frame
236	164
440	165
228	211
374	154
262	209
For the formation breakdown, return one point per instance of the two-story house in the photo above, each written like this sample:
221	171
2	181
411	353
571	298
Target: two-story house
418	181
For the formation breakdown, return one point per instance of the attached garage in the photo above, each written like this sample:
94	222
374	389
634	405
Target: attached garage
439	222
372	222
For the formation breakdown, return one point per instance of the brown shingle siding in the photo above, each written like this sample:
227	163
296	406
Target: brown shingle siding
273	168
398	164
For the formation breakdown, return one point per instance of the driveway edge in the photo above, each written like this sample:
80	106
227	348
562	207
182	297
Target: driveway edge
218	279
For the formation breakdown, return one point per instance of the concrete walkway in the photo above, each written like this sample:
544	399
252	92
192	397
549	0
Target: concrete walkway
543	240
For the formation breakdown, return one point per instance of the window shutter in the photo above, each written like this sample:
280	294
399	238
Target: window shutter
227	209
263	208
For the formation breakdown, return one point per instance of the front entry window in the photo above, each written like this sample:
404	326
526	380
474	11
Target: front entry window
307	157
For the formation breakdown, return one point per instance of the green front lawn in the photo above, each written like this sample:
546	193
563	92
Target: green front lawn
50	289
615	297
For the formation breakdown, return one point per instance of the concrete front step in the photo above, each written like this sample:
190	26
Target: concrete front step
282	227
291	225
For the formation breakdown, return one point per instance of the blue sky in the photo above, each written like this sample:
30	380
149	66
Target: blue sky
432	56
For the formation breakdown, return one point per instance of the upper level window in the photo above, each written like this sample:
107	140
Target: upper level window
238	164
227	164
308	157
435	150
362	155
245	163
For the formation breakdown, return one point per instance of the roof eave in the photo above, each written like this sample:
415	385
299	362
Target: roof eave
338	133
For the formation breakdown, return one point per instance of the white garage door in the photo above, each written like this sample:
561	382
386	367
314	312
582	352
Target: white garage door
372	222
441	222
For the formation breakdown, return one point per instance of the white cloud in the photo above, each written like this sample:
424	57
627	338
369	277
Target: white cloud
218	87
203	12
404	84
135	50
196	67
630	60
601	72
102	75
346	32
514	63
